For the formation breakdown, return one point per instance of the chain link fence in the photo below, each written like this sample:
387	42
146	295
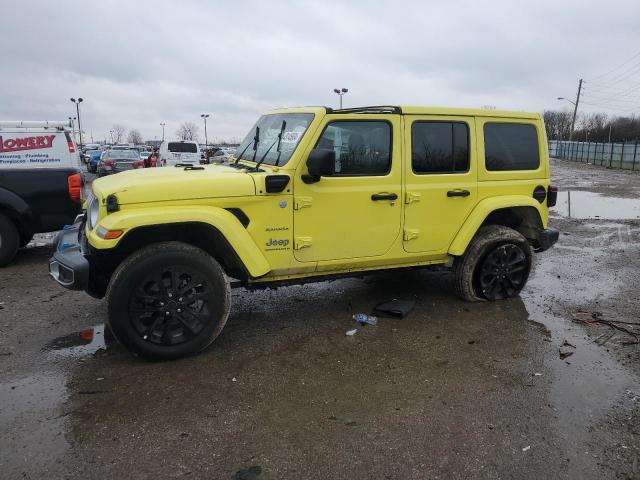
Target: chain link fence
615	155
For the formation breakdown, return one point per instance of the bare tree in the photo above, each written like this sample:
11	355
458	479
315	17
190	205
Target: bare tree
592	127
118	132
134	137
558	124
188	131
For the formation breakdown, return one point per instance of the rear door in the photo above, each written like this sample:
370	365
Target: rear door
441	180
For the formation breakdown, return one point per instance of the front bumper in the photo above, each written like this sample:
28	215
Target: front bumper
547	238
69	265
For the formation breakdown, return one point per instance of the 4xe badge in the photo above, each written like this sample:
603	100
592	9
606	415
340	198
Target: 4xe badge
275	242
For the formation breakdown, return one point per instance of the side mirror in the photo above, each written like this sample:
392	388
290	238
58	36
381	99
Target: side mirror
321	162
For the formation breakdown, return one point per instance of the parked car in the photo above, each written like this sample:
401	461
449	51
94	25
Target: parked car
179	152
116	161
221	156
314	193
40	182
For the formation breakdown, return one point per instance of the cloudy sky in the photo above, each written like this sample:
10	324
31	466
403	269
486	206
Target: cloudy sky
139	63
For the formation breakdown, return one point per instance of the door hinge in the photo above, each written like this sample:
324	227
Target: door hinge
301	242
410	234
301	202
410	197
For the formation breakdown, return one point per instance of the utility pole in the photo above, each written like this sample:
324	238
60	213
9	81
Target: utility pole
163	125
575	109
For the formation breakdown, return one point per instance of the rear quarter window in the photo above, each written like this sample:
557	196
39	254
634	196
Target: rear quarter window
511	146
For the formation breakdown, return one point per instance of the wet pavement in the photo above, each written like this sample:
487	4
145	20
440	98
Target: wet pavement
455	390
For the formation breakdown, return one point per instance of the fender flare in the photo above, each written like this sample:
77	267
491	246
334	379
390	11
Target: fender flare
219	218
18	209
480	213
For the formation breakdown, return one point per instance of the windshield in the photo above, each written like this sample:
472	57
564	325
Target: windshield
270	125
180	147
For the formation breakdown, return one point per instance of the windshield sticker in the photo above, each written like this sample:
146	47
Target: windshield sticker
291	137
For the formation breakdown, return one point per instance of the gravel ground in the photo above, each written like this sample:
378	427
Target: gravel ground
455	390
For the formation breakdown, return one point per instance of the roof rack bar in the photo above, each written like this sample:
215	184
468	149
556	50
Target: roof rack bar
370	109
59	124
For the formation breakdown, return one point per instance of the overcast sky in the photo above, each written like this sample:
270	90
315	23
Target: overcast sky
139	63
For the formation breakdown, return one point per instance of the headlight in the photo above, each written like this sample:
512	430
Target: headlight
92	213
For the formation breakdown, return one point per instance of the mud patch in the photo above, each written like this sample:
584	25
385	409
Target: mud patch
32	424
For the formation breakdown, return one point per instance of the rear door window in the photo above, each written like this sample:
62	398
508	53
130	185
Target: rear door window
180	147
439	147
511	146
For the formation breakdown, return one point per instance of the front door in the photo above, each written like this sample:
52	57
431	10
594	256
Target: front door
441	180
356	212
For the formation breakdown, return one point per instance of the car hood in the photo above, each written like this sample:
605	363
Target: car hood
174	184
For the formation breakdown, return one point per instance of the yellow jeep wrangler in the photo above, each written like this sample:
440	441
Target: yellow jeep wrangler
313	193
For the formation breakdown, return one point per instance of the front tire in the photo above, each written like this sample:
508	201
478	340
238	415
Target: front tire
168	300
9	240
495	266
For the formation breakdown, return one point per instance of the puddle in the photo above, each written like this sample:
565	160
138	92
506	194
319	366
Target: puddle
32	416
590	382
80	344
581	204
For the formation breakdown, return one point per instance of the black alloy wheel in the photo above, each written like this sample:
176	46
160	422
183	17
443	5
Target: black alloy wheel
503	272
168	300
171	306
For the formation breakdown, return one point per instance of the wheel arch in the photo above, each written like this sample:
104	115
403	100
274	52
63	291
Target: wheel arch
17	210
518	212
215	230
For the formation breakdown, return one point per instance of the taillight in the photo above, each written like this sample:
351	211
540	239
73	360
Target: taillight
552	196
75	187
72	147
108	163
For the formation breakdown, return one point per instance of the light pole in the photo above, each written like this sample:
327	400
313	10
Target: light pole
78	102
163	125
340	92
205	116
575	107
73	126
111	134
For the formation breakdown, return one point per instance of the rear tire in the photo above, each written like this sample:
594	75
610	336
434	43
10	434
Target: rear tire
9	240
495	266
168	300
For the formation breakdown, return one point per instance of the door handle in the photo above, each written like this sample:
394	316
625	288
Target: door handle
458	193
384	196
